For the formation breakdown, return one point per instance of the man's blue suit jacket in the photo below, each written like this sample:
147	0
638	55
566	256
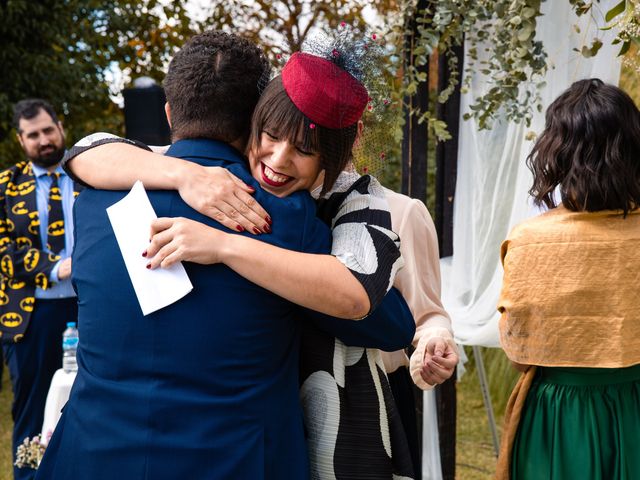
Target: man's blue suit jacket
206	388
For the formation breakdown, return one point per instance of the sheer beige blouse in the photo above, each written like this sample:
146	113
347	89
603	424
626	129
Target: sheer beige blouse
418	281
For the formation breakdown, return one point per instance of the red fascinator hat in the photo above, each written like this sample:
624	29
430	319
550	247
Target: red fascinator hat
325	93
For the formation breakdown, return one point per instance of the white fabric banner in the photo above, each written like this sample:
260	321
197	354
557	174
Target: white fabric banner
493	180
431	465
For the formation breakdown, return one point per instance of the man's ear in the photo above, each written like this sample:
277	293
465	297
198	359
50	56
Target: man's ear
19	137
167	112
61	128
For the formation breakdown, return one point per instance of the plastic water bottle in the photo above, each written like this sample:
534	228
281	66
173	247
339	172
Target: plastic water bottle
69	348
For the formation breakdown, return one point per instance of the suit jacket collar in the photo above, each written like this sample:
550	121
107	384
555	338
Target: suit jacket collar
206	150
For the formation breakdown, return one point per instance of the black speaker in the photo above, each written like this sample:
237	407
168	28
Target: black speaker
144	117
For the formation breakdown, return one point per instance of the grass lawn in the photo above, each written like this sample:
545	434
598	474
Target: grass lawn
5	427
475	455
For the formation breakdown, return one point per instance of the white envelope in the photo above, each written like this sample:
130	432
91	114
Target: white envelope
131	220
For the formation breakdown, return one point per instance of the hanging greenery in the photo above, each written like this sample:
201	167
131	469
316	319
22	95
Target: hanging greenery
501	44
625	17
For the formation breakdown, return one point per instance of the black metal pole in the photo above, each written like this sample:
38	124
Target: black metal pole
446	169
447	155
414	184
414	174
415	137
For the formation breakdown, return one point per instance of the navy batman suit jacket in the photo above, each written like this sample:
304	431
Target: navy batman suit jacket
206	388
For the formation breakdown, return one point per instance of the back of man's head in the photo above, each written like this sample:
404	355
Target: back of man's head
30	108
212	87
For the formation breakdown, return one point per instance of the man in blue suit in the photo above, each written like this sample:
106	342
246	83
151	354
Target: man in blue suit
206	388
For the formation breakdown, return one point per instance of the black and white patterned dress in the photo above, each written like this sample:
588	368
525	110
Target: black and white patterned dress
353	428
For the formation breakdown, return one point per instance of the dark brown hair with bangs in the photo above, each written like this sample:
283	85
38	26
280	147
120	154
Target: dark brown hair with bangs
277	114
590	147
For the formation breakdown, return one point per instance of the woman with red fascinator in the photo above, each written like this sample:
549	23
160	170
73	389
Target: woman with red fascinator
302	135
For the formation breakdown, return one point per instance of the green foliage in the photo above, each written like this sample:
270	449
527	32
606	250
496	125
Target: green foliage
511	60
615	11
625	16
500	37
64	51
281	26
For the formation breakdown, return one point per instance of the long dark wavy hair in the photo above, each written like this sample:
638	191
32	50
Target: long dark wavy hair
590	147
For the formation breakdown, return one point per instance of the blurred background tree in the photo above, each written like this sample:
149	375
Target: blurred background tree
282	26
80	53
68	52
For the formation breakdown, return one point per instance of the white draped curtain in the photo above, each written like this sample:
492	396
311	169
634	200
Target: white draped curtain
493	180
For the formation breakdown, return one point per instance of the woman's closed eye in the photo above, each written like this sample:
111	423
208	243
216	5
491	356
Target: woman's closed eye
271	135
304	152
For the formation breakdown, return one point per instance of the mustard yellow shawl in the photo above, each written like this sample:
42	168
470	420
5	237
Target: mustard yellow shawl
570	297
571	290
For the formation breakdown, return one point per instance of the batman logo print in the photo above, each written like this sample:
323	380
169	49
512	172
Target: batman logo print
6	266
24	188
56	228
54	194
11	319
34	226
15	285
31	259
20	208
41	280
24	242
27	304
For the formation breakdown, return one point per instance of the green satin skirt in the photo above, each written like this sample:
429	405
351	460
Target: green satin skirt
580	423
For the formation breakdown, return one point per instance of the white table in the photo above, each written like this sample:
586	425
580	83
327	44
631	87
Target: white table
58	395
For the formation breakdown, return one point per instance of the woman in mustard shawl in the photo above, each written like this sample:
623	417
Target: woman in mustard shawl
569	302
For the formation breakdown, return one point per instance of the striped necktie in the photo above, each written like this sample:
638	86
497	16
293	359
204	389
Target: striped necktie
55	229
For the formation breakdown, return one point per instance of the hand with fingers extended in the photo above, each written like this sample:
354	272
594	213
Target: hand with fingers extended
180	239
217	193
440	360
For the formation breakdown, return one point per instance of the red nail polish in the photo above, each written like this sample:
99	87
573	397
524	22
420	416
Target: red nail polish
148	265
268	219
267	228
256	231
240	228
144	254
